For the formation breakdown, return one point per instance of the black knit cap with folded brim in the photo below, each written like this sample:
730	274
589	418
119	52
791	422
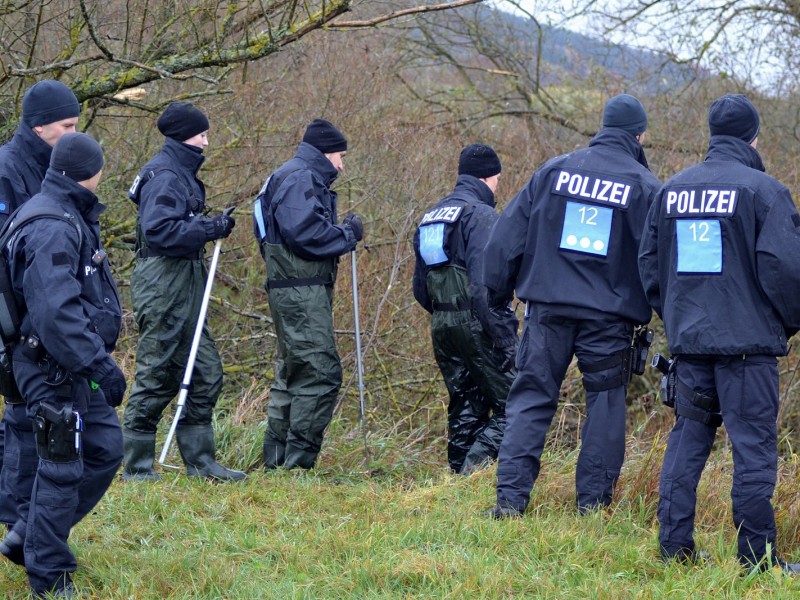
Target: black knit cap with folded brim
325	137
78	156
182	121
479	160
734	115
48	101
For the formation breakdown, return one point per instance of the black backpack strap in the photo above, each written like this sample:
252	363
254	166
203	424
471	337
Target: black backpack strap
143	178
15	222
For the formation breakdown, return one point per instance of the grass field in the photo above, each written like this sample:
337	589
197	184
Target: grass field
409	530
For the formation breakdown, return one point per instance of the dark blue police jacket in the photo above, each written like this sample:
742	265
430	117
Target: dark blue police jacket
23	163
720	256
300	208
171	202
461	223
68	300
571	236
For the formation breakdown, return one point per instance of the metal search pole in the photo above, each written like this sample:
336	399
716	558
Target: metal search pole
187	377
359	364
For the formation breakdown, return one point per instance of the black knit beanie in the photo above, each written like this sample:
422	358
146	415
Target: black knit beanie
182	121
625	112
734	115
78	156
324	136
479	160
48	101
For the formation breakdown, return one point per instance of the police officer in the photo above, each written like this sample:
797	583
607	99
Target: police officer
71	317
474	347
301	242
720	262
49	110
568	243
167	289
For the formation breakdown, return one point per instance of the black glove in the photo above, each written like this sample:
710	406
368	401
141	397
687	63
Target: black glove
503	325
353	221
506	356
223	223
113	386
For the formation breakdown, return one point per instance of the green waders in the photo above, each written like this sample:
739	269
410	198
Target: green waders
308	372
167	293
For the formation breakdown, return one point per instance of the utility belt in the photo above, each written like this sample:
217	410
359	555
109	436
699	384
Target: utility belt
56	376
461	305
702	408
57	427
631	361
145	252
273	284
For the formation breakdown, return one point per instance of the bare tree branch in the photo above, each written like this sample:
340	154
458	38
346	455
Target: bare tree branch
401	13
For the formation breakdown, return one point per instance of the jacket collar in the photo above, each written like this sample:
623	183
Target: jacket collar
475	187
184	155
318	162
622	140
59	186
33	145
729	148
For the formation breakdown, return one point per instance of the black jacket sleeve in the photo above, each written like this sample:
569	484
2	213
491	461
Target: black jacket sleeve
505	247
306	225
419	281
13	194
648	257
501	326
167	222
778	259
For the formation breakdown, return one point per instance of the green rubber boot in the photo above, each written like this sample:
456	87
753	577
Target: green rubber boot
196	443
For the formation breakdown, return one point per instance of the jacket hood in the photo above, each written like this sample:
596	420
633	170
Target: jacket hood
317	162
33	145
729	148
620	139
475	187
64	189
184	155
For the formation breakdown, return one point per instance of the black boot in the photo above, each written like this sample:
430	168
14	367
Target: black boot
13	548
196	443
500	512
63	588
479	457
139	451
274	453
297	457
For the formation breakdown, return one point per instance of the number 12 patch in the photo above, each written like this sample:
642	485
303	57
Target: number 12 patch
699	246
587	228
431	244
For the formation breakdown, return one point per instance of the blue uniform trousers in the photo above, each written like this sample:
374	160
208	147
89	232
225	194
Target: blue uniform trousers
19	465
549	341
65	492
2	446
747	390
